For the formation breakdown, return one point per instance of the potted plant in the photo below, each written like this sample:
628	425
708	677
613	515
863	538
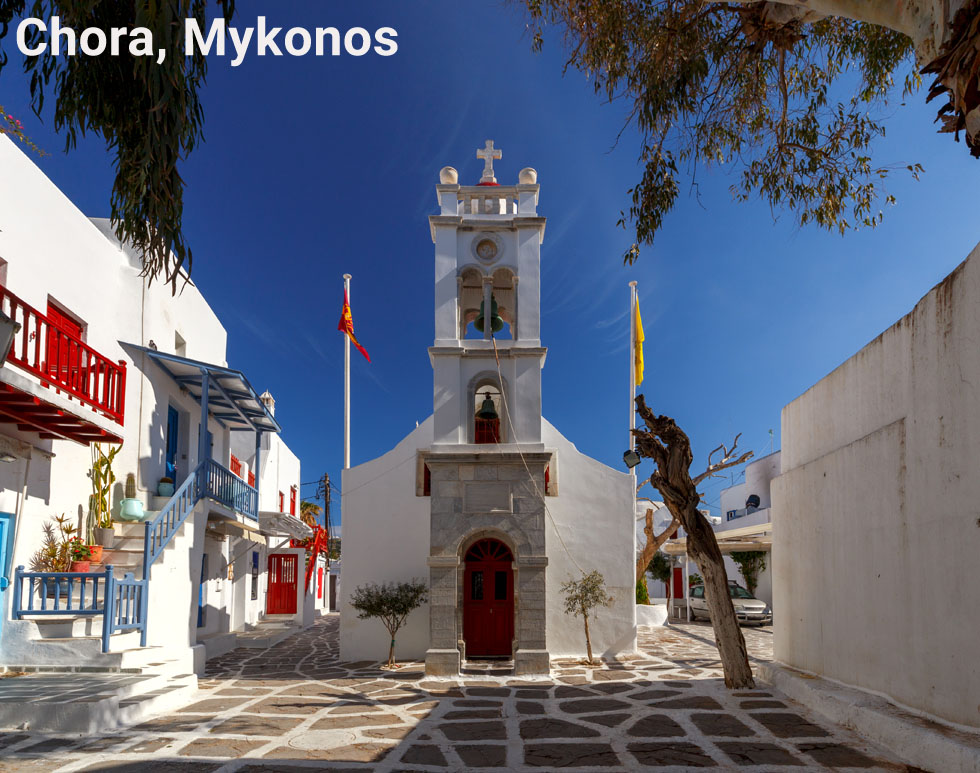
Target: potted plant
80	555
131	508
90	539
165	488
54	555
102	480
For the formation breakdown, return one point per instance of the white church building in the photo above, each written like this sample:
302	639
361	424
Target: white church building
486	499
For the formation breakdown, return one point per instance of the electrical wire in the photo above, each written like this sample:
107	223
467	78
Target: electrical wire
510	421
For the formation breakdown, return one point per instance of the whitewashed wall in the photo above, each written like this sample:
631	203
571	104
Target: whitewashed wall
875	515
385	539
593	513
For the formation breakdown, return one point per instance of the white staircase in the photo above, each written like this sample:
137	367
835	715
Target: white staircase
134	684
128	682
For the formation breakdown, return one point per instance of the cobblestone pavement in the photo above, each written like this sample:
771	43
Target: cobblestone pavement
296	707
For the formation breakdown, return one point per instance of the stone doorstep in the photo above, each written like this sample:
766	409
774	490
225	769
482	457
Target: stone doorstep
918	740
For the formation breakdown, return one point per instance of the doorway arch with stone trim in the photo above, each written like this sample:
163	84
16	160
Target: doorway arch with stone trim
496	495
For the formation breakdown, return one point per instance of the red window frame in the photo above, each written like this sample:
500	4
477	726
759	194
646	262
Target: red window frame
292	500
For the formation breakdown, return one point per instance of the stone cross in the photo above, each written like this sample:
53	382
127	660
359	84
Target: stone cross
488	154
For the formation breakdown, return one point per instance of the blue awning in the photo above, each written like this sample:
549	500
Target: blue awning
232	401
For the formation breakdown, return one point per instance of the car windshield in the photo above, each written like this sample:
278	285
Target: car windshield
739	593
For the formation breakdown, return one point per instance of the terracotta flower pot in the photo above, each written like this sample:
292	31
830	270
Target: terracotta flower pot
96	553
80	566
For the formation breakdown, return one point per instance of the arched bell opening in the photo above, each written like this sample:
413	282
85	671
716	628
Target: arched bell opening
488	600
471	298
488	422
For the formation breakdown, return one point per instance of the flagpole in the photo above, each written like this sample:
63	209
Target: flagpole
347	384
632	351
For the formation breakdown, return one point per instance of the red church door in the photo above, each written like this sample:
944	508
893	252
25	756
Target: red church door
283	576
488	600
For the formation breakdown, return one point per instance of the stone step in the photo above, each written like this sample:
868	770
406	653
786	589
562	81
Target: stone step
90	703
57	634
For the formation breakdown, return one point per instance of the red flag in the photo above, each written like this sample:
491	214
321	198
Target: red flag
346	325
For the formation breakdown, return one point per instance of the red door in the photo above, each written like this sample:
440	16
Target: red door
283	576
488	600
62	348
678	589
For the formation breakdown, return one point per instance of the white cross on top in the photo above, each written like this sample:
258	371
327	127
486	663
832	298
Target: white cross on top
488	154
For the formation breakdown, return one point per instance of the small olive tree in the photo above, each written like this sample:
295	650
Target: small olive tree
584	595
392	603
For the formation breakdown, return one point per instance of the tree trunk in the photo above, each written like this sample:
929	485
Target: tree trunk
653	543
588	637
391	653
670	448
703	548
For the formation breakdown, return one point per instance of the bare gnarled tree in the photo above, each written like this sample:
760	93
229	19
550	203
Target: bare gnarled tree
670	448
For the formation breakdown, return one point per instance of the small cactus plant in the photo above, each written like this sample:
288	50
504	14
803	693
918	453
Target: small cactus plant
130	486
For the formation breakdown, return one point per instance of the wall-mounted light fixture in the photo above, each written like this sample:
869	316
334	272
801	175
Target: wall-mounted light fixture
631	458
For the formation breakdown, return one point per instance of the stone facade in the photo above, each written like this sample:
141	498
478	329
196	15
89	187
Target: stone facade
474	496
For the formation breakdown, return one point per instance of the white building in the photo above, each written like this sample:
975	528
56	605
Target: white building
746	521
486	498
101	357
745	525
876	533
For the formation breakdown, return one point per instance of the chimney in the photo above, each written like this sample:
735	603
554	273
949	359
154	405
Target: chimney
268	401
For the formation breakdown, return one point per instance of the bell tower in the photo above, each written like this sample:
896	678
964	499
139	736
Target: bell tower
487	267
487	469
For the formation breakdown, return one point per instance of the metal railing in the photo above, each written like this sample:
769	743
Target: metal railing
63	361
222	485
120	603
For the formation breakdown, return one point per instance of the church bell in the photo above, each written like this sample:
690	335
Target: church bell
496	323
487	410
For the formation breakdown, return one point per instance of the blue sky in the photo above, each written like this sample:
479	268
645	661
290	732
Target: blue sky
316	167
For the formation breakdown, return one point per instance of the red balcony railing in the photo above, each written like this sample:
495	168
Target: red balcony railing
63	361
236	465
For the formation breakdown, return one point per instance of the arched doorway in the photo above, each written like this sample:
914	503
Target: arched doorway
488	600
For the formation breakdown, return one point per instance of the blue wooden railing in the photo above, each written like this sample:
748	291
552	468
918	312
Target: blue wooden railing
119	602
162	528
124	604
222	485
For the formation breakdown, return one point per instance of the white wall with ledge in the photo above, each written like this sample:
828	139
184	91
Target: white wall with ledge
879	492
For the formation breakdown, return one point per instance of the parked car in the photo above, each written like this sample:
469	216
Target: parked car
748	609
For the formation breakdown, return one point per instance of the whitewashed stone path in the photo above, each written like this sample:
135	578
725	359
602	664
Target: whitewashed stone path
296	707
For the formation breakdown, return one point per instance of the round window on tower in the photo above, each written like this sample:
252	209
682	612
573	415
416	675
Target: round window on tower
487	247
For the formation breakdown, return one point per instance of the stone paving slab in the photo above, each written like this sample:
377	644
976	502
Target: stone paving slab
295	707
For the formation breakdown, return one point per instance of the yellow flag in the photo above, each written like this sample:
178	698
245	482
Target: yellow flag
638	345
